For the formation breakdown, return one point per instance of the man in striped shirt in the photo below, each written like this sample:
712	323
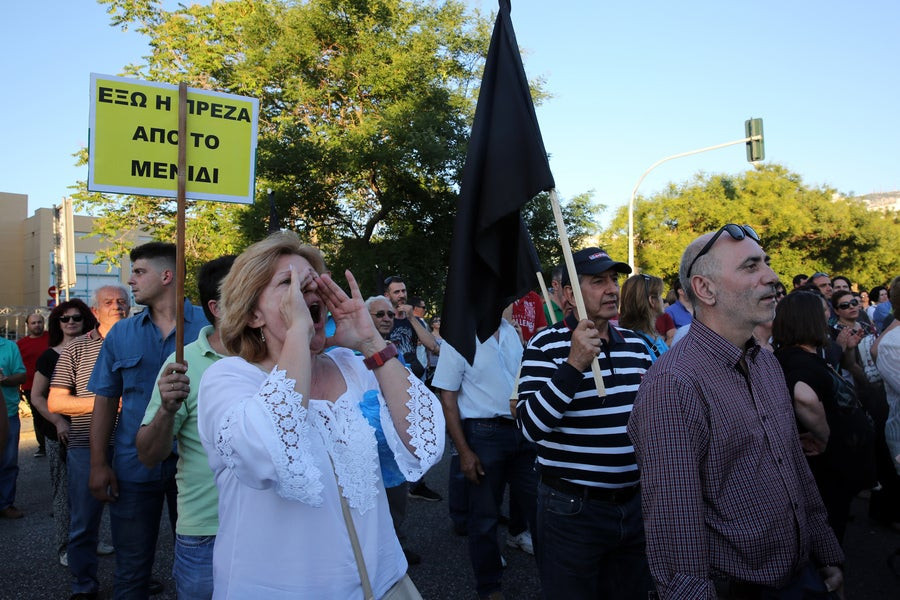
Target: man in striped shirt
590	536
70	396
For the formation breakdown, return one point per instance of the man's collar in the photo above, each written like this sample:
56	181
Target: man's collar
188	316
203	341
719	348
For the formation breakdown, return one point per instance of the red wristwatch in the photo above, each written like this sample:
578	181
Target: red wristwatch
378	359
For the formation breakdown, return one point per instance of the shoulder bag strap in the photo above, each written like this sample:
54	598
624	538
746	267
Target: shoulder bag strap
650	344
368	594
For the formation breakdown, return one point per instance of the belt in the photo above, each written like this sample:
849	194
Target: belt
733	589
496	421
589	492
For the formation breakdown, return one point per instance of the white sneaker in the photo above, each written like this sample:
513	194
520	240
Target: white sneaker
64	558
521	541
104	549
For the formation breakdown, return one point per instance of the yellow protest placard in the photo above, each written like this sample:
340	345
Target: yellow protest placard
134	141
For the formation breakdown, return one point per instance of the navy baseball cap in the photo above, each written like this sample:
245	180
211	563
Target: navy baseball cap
591	261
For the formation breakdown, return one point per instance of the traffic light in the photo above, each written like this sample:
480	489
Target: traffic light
755	148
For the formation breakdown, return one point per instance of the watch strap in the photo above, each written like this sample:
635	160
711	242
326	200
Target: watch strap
379	358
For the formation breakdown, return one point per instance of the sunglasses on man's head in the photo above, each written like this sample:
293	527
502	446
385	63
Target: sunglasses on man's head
846	305
737	233
67	318
392	279
380	314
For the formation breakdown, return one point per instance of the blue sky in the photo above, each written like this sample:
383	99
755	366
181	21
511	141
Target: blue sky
632	82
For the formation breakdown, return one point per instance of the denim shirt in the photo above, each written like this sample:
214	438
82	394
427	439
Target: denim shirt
130	359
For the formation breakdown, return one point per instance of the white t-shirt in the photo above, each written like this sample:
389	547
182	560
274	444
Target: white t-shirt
485	386
281	530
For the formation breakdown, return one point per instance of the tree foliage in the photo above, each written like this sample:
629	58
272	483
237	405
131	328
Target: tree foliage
364	113
804	229
365	107
578	216
211	230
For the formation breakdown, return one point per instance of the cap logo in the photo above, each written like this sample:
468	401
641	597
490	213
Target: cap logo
598	255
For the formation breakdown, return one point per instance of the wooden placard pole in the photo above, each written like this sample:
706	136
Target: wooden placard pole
573	278
179	227
547	300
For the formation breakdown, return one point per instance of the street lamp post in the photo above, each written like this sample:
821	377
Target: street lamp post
747	140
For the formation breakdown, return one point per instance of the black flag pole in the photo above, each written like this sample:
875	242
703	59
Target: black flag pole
274	219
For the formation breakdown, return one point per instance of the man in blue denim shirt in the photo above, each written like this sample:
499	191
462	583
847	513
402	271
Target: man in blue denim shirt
172	412
130	358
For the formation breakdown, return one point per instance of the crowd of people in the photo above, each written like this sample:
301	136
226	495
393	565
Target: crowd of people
704	444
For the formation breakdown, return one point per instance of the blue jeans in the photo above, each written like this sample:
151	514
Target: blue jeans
589	548
84	522
9	465
506	457
457	500
193	566
134	519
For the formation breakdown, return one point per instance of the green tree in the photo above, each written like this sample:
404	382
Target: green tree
578	215
364	113
211	230
803	228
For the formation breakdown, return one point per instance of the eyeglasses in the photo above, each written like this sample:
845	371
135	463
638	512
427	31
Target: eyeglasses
380	314
737	233
67	318
846	305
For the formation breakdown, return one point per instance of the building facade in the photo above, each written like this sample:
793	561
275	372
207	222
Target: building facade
28	247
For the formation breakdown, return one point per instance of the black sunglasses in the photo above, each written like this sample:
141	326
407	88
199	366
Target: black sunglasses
380	314
846	305
67	318
737	233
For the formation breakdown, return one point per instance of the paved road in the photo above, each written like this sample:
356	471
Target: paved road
29	570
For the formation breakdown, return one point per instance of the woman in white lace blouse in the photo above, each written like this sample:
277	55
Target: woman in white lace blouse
282	425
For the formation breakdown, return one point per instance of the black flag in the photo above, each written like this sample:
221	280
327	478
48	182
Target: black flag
491	253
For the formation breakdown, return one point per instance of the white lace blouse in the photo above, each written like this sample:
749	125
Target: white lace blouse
281	530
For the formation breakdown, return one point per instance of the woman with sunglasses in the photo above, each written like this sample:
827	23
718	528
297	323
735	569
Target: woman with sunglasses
67	321
640	304
846	316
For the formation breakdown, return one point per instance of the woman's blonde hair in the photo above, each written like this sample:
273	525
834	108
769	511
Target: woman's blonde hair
242	287
635	311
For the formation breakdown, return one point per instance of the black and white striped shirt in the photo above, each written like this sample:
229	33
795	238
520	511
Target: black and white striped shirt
581	437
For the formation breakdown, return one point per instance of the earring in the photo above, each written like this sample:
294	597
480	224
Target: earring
262	336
